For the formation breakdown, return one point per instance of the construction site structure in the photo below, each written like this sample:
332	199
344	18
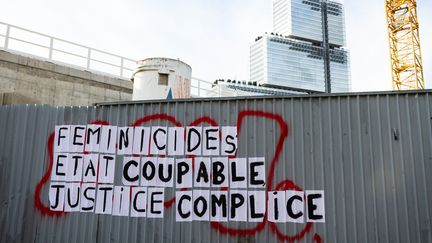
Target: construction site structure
404	42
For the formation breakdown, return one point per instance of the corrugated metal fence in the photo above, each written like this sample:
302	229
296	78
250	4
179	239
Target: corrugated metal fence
370	153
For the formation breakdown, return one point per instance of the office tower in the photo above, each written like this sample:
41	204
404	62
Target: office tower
306	48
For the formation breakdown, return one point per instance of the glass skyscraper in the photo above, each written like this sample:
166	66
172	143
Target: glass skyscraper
306	49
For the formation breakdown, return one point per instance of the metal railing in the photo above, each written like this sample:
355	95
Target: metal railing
26	41
200	88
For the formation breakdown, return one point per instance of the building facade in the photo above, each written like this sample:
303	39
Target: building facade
306	49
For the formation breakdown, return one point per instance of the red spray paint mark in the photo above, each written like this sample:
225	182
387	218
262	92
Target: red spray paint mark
37	200
204	119
284	133
232	231
157	117
283	186
317	238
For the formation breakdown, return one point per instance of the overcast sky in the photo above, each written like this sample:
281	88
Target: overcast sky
212	36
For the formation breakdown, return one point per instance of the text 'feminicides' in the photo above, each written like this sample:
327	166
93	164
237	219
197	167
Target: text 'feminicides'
199	162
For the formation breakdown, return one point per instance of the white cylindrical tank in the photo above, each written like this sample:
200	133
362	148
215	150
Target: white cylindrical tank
161	78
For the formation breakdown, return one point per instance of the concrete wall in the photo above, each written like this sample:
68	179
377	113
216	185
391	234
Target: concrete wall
25	80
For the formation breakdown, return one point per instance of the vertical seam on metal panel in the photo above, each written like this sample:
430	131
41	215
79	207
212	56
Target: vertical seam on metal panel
422	160
349	113
392	168
412	161
401	149
429	127
332	163
372	162
362	172
293	136
381	161
311	149
340	145
321	146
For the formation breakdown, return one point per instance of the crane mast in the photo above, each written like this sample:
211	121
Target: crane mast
404	41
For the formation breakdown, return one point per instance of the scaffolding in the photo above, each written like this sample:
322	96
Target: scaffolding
404	41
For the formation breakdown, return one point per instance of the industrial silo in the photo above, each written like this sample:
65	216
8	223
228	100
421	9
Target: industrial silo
161	78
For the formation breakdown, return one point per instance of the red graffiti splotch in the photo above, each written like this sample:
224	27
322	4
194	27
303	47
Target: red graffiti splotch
148	118
223	229
317	238
283	186
37	199
284	133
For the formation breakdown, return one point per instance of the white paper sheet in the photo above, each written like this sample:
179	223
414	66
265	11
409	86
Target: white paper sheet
218	205
90	167
75	168
210	141
201	205
88	197
176	141
106	168
229	140
93	138
165	178
121	201
62	138
257	210
138	202
202	172
158	140
59	169
184	206
257	174
131	171
57	195
77	138
148	171
315	198
109	140
155	200
238	173
104	196
238	205
220	177
276	206
72	197
294	201
125	140
193	141
184	173
141	142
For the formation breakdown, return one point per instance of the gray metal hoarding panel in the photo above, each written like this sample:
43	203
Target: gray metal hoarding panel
370	153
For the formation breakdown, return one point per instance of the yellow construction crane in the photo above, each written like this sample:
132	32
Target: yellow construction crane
404	41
